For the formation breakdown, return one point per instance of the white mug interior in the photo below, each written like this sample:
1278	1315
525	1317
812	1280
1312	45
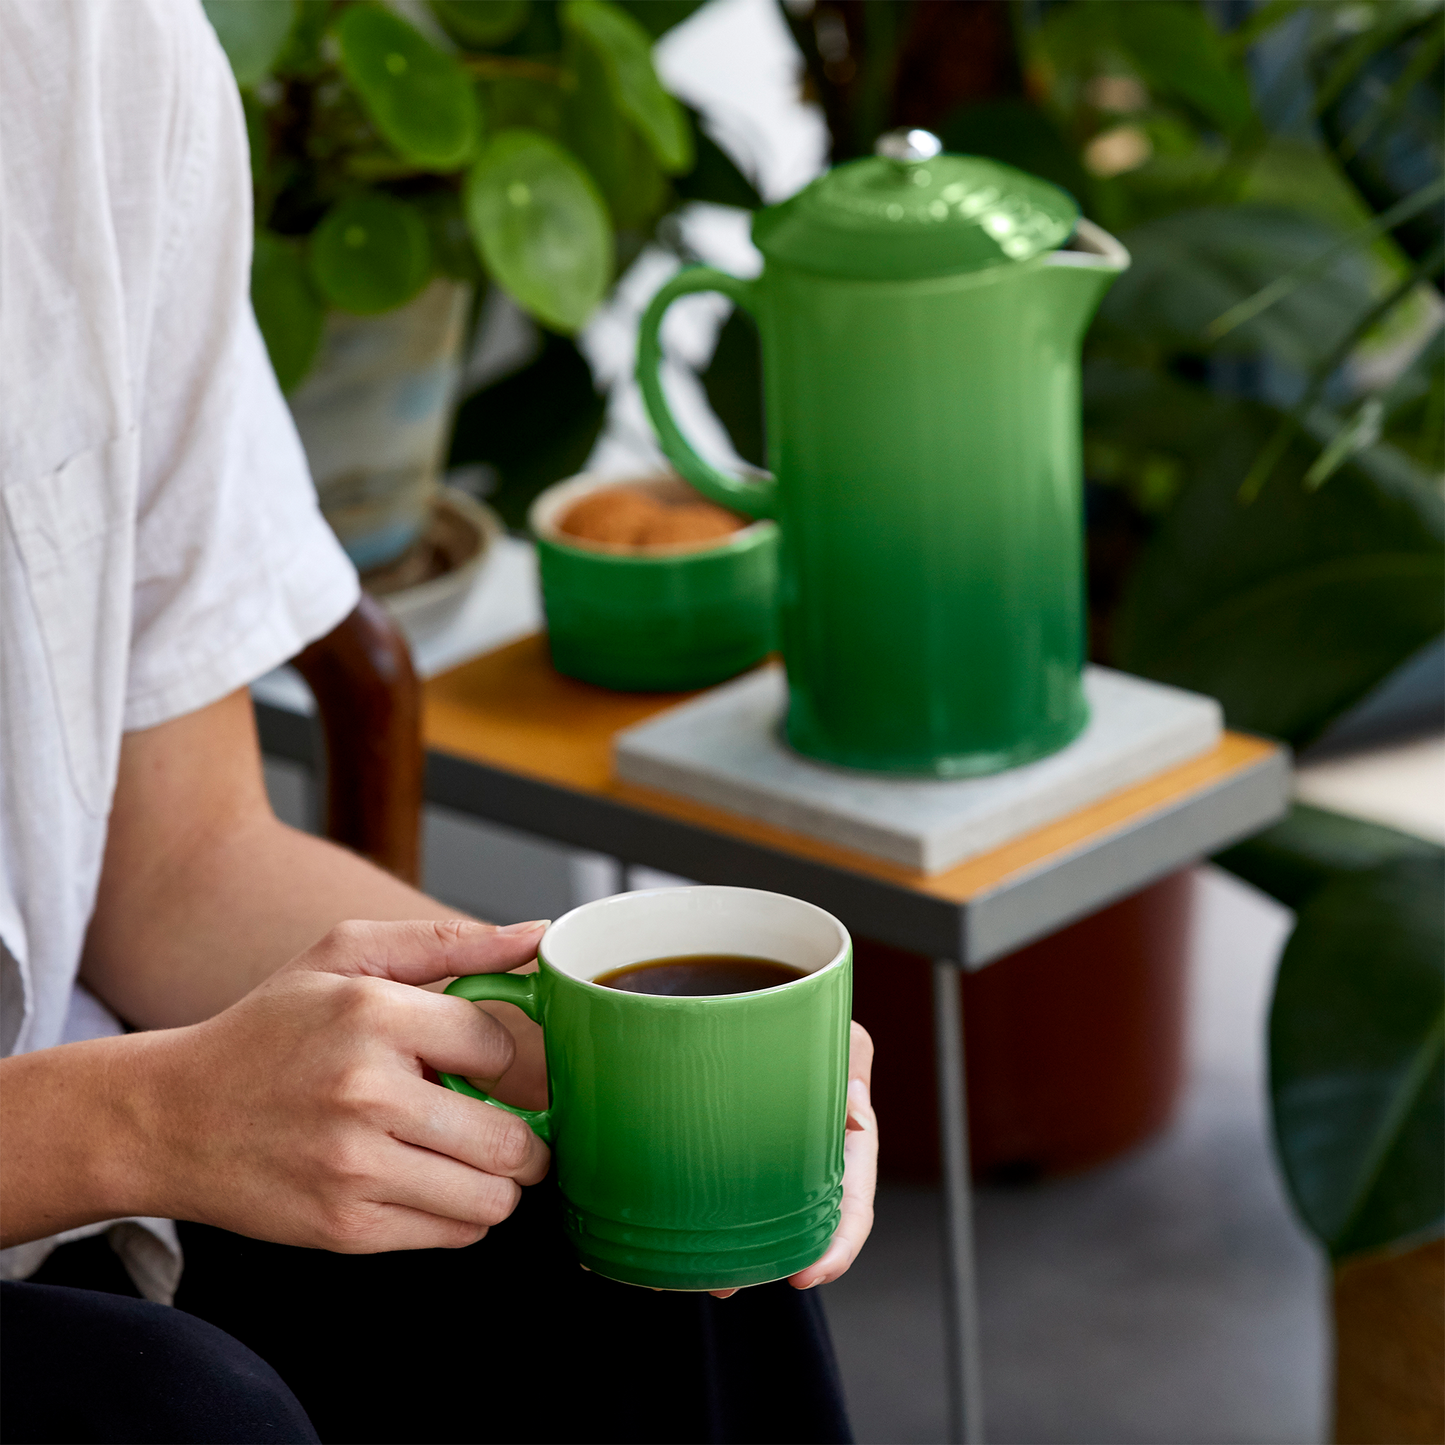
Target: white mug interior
675	922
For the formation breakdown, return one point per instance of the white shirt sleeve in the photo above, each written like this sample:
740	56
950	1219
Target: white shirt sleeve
235	569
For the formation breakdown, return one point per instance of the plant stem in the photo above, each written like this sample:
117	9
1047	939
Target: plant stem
1270	454
1281	286
509	67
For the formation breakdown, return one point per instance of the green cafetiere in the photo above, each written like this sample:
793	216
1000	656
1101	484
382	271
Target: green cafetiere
921	318
699	1141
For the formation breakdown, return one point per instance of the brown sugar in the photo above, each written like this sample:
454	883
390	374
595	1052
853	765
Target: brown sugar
692	522
637	516
618	515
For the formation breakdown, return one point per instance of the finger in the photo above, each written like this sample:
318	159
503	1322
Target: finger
479	1135
423	950
860	1178
723	1293
451	1034
434	1184
396	1226
860	1054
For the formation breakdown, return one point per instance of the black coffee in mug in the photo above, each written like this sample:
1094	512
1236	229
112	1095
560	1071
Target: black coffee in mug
694	975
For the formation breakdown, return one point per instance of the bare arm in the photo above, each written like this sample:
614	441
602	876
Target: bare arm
284	1099
299	1114
205	893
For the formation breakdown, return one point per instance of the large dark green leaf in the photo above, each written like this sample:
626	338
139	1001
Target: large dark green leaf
418	97
370	253
1172	46
1180	53
1192	266
481	24
252	33
1415	407
1289	610
1383	111
1357	1057
541	226
535	426
624	49
1312	847
288	310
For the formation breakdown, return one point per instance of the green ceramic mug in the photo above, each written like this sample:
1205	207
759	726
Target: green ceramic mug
699	1141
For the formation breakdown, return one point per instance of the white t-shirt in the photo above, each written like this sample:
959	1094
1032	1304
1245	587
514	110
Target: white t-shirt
160	543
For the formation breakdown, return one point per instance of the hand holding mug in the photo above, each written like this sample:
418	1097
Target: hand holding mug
302	1114
698	1057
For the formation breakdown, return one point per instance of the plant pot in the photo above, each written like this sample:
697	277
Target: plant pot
1075	1045
374	415
427	588
1389	1312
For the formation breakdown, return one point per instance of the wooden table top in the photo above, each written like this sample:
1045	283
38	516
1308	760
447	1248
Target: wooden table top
512	711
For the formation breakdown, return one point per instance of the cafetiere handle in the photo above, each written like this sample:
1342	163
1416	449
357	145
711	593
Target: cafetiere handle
757	498
517	988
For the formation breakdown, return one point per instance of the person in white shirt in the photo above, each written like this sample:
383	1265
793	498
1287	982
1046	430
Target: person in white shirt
160	547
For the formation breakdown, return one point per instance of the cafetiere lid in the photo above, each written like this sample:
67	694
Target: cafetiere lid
910	212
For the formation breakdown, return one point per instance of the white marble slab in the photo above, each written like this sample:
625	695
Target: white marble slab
724	749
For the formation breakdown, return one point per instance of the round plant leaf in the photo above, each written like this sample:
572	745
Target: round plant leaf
480	23
370	253
625	50
288	310
541	226
252	33
608	145
1180	52
420	99
1357	1057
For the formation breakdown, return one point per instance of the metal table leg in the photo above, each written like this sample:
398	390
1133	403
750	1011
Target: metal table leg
960	1303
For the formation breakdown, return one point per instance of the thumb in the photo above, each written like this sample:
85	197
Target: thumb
423	950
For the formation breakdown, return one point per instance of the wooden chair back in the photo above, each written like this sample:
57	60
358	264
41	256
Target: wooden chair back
369	699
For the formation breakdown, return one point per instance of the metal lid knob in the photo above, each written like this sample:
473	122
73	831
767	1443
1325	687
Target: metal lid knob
907	147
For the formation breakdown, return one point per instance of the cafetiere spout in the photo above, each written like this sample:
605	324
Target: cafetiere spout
1079	274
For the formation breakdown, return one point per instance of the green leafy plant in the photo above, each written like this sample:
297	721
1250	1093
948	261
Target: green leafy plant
1271	252
527	144
1357	1026
1266	519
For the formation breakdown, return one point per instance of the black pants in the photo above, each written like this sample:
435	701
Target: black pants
506	1341
82	1365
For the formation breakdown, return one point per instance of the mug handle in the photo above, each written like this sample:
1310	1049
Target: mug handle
517	988
755	498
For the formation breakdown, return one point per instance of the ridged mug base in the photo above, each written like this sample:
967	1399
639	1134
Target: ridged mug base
703	1259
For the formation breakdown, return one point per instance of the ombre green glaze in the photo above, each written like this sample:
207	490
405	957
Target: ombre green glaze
698	1141
921	332
659	622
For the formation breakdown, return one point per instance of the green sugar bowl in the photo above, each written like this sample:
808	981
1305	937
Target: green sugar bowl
657	618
